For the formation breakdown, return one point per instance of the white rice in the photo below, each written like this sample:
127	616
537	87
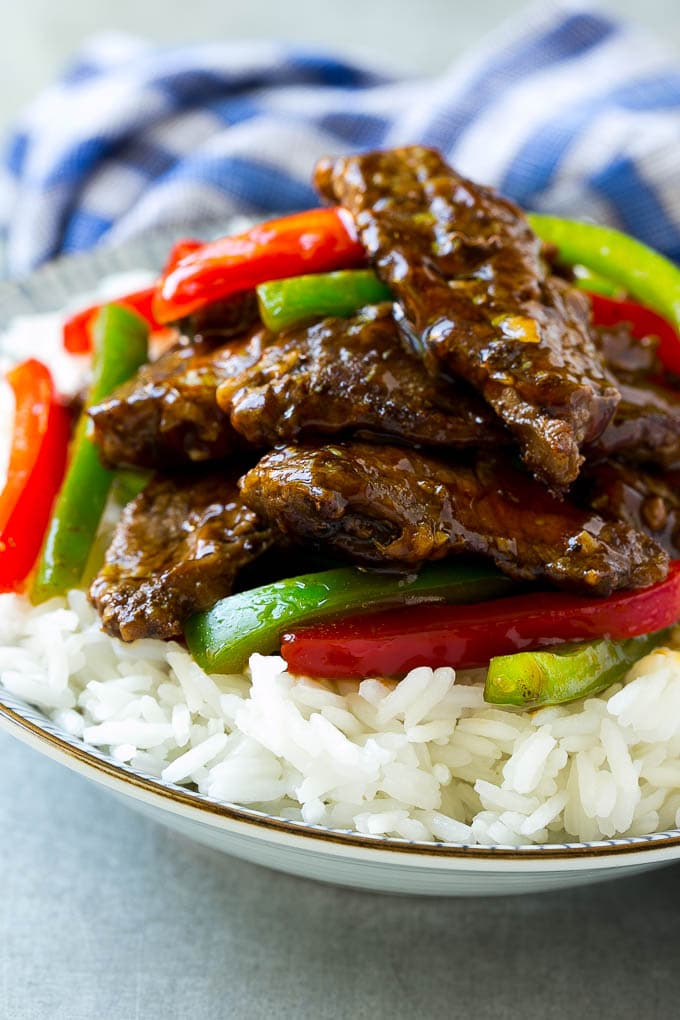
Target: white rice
425	759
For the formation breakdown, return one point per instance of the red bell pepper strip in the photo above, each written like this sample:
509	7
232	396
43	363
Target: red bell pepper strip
316	241
393	642
643	322
76	331
33	391
36	469
180	250
78	328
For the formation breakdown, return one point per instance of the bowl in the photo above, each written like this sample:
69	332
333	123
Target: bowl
383	864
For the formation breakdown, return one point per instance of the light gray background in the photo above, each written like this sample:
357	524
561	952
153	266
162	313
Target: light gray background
413	35
105	916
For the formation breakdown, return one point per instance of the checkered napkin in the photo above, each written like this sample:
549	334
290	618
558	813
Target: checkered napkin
566	110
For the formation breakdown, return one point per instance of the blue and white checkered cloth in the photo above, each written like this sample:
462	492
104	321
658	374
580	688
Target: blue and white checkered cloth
565	109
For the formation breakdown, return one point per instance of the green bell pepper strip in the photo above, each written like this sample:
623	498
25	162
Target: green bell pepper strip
120	338
285	302
642	272
128	484
596	284
565	673
223	638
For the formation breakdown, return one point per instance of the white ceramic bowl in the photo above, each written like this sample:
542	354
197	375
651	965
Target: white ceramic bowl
347	858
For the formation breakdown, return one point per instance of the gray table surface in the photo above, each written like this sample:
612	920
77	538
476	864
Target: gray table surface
106	915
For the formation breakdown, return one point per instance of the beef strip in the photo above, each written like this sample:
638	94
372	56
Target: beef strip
176	550
632	360
221	321
648	501
353	376
472	287
167	414
646	425
394	507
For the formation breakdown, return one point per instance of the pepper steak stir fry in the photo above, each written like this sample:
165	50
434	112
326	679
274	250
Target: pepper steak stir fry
455	398
485	358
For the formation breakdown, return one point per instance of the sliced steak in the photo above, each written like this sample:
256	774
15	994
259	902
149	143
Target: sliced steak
167	415
353	376
648	501
627	357
176	551
396	507
646	425
221	321
472	287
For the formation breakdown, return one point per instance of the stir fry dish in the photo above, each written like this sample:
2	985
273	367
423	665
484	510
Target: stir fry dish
416	426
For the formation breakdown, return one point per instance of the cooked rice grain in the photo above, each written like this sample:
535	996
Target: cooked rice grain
425	759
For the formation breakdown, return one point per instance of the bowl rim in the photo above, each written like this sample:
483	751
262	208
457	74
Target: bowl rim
28	723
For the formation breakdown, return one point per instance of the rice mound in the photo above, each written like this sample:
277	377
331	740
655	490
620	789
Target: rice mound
424	759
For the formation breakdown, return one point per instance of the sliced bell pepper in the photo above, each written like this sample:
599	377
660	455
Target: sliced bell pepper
596	284
284	302
532	679
316	241
77	329
643	322
120	348
642	272
180	249
128	484
33	391
223	638
393	642
36	468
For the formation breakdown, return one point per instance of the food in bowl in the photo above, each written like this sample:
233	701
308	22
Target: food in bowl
406	442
